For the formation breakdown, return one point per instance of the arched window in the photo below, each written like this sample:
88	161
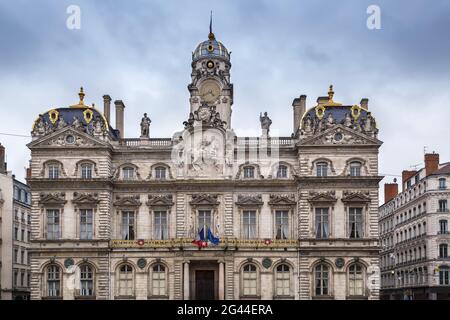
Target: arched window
249	172
444	275
125	285
159	280
86	171
160	173
53	281
86	280
443	250
322	280
355	280
355	169
282	280
249	280
128	173
282	172
322	169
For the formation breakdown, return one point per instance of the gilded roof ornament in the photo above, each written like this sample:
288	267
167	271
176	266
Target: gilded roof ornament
81	103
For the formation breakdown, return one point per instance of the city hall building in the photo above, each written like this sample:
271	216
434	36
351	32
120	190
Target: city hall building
205	214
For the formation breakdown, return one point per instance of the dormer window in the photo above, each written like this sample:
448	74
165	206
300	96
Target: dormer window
355	169
282	172
53	171
249	172
86	171
128	173
160	173
322	169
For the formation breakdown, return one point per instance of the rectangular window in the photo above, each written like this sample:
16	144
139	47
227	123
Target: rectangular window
16	233
16	214
249	224
282	224
128	225
53	171
322	170
355	223
86	224
249	172
442	184
29	218
204	221
28	236
443	251
86	171
443	227
160	173
16	255
128	173
355	169
282	172
53	224
443	206
28	280
22	235
22	256
16	274
160	225
22	278
322	223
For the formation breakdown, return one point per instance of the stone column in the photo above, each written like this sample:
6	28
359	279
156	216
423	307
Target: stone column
221	280
186	281
120	106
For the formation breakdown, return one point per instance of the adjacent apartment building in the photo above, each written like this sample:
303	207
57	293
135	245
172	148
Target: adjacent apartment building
414	234
15	203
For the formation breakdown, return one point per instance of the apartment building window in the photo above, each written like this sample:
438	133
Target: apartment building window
16	255
443	250
29	218
444	275
442	184
86	280
282	172
249	172
443	226
15	276
28	280
22	278
160	225
282	224
22	256
28	235
53	171
22	235
249	224
355	221
86	224
160	173
53	281
16	193
16	233
86	171
322	169
355	169
128	225
53	224
322	223
443	206
321	280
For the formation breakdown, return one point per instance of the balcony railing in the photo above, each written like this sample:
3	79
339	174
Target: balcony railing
153	142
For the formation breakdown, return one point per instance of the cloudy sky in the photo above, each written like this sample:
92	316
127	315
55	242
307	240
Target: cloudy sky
140	52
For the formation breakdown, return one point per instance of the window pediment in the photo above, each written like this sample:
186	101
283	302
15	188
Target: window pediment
204	200
282	200
58	198
328	196
127	201
355	197
160	200
85	198
249	200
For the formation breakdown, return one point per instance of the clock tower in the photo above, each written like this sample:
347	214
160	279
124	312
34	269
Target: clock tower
210	78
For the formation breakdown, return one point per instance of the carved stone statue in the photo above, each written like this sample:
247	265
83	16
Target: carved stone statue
145	126
76	123
348	120
307	124
98	126
61	123
266	122
330	121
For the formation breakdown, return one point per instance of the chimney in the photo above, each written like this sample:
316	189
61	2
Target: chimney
107	107
2	159
364	103
119	117
299	105
390	191
431	163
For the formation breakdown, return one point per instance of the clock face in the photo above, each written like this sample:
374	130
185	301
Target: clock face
209	91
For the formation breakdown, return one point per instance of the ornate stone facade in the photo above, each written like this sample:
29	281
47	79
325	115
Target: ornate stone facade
295	217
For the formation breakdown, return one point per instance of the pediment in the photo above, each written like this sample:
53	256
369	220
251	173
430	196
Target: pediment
129	201
160	201
282	200
356	197
59	139
322	197
340	135
85	198
52	199
204	199
249	200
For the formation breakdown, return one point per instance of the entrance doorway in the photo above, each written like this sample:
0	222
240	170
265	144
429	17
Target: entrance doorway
204	285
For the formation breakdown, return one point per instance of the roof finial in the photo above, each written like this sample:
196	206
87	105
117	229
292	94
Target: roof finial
81	95
330	93
211	34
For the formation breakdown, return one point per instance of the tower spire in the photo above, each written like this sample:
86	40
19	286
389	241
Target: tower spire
211	34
